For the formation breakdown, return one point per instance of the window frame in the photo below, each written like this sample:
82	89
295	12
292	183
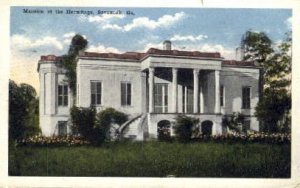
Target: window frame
128	97
64	95
246	100
187	99
98	99
163	96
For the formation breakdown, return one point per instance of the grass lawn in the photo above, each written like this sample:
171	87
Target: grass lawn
154	159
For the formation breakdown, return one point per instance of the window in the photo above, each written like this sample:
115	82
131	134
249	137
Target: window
62	95
246	94
62	128
161	98
125	94
222	96
96	92
187	99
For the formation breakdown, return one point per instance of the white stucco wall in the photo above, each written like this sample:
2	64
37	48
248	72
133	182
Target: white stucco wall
234	79
111	74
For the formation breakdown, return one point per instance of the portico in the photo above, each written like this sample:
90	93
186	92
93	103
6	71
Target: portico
180	99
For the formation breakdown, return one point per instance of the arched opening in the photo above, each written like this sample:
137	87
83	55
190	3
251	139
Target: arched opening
164	130
206	127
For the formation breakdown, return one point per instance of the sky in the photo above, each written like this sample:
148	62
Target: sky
197	29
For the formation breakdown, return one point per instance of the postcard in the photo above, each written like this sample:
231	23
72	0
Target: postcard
150	95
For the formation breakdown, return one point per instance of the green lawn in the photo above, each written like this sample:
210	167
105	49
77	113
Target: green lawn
154	159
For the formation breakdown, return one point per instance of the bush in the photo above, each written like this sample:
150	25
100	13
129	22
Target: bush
164	134
84	124
95	127
235	122
184	128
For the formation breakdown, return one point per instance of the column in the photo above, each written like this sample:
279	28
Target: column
151	89
53	92
196	89
217	91
174	89
185	99
201	100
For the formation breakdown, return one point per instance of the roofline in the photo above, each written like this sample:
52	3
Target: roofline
45	62
182	57
242	66
107	59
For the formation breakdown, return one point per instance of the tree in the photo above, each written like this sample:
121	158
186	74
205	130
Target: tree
275	103
257	47
95	127
78	43
23	111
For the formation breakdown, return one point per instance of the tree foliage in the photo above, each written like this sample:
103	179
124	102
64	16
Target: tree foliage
257	47
274	106
78	43
184	128
23	111
273	110
94	126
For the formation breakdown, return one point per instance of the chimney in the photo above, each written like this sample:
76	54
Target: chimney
167	45
239	54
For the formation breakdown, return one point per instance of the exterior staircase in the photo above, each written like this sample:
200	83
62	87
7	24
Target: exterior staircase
134	127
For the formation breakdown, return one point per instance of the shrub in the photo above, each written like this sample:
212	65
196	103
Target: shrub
184	128
95	127
84	124
164	133
235	122
106	119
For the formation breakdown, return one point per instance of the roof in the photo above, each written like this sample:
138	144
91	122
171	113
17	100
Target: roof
51	58
238	63
137	56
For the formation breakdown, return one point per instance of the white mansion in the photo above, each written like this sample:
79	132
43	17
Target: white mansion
152	88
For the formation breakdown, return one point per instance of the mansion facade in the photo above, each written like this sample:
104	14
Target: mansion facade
153	88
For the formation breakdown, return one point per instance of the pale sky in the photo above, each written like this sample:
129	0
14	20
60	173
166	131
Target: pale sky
210	30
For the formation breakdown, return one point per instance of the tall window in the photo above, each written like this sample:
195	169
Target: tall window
96	92
161	98
125	94
62	95
222	96
246	97
62	128
187	99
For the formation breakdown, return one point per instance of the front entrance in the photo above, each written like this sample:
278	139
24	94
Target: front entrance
206	127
